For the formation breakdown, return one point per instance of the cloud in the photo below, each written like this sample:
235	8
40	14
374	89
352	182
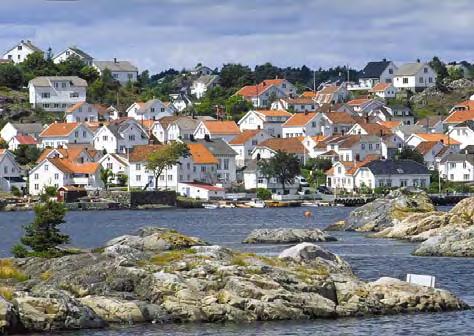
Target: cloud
180	33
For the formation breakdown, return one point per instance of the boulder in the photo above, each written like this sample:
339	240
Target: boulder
8	319
454	242
47	309
387	211
307	252
286	236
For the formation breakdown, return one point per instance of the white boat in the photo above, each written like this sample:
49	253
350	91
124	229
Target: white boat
310	204
210	206
256	203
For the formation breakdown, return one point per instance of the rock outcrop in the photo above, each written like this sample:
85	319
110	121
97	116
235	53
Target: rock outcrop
387	211
286	236
159	275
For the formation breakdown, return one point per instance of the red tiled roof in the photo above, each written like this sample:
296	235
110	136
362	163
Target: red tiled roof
437	137
274	113
390	124
75	107
308	94
467	104
69	166
26	140
357	102
425	146
59	129
458	117
140	153
375	129
379	87
340	117
254	90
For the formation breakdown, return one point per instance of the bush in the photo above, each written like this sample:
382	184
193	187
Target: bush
264	194
19	251
15	191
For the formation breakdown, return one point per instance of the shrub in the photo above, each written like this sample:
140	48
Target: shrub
15	191
9	271
264	194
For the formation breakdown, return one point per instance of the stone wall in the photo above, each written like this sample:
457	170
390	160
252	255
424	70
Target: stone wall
135	198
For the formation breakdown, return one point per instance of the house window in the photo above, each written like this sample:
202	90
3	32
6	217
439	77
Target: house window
76	134
464	165
104	138
403	183
115	75
74	95
430	80
466	177
45	95
84	134
46	167
162	109
370	146
162	177
254	142
313	124
421	79
56	85
63	85
170	177
390	71
362	146
20	47
405	80
138	166
226	164
138	178
452	165
36	176
109	165
425	70
5	170
131	137
36	186
203	169
130	76
377	146
422	183
56	176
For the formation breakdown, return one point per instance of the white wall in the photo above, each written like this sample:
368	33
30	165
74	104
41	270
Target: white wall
59	99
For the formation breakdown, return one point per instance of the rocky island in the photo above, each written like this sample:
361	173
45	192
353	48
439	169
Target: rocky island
286	236
410	215
160	275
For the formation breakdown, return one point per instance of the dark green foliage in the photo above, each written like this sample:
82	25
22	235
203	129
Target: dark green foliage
282	166
19	251
408	153
15	191
439	68
318	164
264	194
11	76
43	235
105	176
48	192
26	154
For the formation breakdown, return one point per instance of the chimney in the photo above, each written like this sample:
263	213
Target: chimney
418	60
385	60
115	60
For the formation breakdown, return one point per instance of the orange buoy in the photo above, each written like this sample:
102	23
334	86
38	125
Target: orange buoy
308	214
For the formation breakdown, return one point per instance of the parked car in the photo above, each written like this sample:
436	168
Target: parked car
324	190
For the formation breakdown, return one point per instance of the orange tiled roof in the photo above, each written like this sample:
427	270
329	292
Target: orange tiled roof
221	127
390	124
140	153
340	117
243	137
288	145
437	137
380	87
69	166
308	94
71	153
425	146
147	124
26	140
254	90
458	117
299	119
274	113
201	155
59	129
301	101
75	107
357	102
468	104
375	129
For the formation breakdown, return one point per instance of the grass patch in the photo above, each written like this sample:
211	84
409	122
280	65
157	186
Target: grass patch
45	276
9	271
98	250
6	293
272	261
239	260
306	273
168	257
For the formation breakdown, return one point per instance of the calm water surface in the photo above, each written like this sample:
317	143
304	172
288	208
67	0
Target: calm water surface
370	259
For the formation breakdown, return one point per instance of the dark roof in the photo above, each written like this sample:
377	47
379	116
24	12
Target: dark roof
81	53
430	120
469	149
396	167
374	69
467	123
459	157
215	146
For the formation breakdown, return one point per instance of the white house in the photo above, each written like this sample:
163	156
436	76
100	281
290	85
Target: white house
122	71
430	151
270	121
201	70
414	77
457	167
375	73
183	128
10	172
60	134
120	136
355	147
11	130
81	112
56	93
202	84
384	90
260	95
298	104
301	124
244	144
432	124
73	153
159	129
73	52
153	109
254	179
217	129
200	191
21	140
463	133
59	172
416	138
116	163
392	174
332	94
268	148
180	102
20	52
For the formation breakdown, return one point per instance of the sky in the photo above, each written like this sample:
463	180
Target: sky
159	34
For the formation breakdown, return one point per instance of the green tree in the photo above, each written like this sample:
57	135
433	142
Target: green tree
11	76
36	65
236	106
264	194
43	234
72	66
455	73
105	176
235	76
318	164
166	157
89	73
408	153
439	68
25	154
282	166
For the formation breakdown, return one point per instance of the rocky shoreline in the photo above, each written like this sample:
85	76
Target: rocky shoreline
160	275
286	236
410	215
